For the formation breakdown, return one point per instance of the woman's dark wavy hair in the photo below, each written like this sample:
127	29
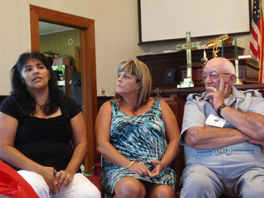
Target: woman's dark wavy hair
24	98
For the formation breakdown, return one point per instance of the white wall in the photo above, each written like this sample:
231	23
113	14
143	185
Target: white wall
116	36
15	30
116	32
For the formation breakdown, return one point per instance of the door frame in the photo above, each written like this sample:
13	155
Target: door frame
87	63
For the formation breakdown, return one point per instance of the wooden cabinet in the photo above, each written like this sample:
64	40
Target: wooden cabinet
158	63
248	72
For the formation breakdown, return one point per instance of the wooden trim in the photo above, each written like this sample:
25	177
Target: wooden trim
61	18
34	24
87	62
77	58
89	94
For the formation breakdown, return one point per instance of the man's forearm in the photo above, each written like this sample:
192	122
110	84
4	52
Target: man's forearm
212	137
249	123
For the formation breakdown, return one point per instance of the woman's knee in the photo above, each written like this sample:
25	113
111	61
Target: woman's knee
37	182
161	191
129	187
82	187
85	191
92	192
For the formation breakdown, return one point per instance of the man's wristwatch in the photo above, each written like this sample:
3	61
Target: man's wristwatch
220	109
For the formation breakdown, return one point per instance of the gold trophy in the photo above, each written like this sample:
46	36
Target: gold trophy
215	43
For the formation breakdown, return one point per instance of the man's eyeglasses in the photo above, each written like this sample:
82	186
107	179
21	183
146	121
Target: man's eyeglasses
213	75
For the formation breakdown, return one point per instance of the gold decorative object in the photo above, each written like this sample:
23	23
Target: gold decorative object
214	42
238	81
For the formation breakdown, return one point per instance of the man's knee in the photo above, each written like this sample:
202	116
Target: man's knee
197	177
253	192
197	181
201	182
250	185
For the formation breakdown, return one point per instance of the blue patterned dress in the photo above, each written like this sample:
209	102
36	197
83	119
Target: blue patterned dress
141	139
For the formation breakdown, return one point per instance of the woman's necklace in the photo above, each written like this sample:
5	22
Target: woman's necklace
41	106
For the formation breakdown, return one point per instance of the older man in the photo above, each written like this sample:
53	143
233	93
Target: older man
222	134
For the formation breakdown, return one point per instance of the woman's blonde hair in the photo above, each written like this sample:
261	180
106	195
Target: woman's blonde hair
141	71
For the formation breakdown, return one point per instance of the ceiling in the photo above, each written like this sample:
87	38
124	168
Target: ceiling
49	28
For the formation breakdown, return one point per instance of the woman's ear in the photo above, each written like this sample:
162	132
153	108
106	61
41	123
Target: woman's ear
138	85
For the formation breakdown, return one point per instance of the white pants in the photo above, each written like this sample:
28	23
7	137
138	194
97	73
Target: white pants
80	186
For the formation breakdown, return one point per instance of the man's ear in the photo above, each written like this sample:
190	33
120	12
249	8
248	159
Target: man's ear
232	79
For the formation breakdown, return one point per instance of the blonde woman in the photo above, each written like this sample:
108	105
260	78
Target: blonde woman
138	137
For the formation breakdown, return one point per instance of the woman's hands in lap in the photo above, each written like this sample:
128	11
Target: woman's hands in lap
56	180
48	173
141	169
159	166
63	178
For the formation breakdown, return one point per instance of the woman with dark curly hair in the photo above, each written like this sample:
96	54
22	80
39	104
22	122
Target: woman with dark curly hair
42	132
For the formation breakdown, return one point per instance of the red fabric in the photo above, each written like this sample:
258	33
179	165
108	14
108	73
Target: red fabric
13	185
